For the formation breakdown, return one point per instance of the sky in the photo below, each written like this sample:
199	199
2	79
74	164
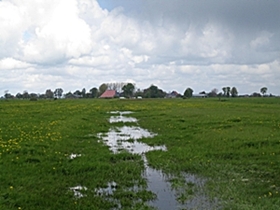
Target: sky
201	44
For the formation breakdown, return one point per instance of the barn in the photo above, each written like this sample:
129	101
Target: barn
108	94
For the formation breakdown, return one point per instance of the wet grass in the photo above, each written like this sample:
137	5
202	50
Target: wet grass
234	144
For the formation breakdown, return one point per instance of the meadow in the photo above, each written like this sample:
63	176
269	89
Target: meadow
233	143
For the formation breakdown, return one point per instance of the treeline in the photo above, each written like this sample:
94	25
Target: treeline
226	92
129	90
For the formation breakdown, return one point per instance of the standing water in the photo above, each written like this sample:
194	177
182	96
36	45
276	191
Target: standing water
167	197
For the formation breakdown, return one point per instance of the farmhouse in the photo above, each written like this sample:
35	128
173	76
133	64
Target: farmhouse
108	94
173	94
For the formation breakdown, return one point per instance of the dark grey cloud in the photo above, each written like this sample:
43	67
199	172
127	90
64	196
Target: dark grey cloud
258	14
243	18
247	21
204	44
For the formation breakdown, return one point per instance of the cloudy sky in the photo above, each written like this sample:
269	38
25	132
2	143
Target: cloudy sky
202	44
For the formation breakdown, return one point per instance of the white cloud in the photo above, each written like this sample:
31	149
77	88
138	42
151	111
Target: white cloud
11	28
11	63
75	43
211	43
63	36
95	61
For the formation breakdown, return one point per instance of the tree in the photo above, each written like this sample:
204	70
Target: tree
69	95
228	91
102	88
188	93
88	95
139	93
263	90
25	94
42	96
128	90
58	92
117	86
255	94
49	93
84	92
7	94
154	92
234	92
19	95
213	93
78	93
224	90
94	92
33	95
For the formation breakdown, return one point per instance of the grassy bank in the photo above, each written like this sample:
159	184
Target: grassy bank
234	143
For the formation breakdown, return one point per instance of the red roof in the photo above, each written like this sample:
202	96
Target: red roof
108	94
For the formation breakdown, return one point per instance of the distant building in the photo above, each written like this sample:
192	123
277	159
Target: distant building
173	94
202	95
108	94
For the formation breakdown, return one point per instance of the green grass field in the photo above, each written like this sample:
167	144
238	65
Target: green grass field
233	143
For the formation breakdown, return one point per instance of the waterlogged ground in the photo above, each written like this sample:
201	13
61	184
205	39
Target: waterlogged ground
189	194
198	153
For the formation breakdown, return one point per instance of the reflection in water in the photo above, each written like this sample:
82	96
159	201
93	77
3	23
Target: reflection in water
188	195
115	119
121	112
126	138
158	184
121	118
168	197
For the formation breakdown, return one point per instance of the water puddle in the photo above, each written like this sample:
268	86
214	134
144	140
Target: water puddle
121	118
126	138
183	191
121	112
108	190
73	156
188	194
158	184
115	119
185	195
78	191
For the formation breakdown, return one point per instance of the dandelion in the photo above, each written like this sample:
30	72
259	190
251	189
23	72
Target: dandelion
11	187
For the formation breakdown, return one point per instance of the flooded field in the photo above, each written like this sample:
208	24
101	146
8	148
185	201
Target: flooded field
188	195
161	154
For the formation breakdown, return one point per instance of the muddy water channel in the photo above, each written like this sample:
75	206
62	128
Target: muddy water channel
172	192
